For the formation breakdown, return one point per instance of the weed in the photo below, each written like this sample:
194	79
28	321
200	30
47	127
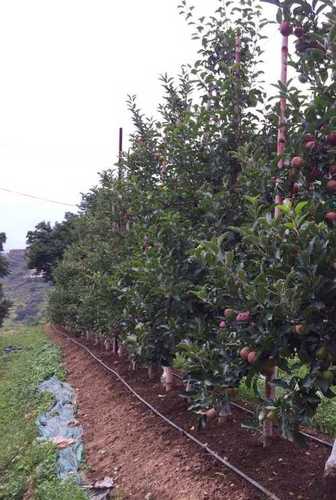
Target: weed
27	466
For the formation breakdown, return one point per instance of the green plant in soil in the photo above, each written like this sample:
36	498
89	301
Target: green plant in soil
131	272
188	232
27	466
323	420
280	273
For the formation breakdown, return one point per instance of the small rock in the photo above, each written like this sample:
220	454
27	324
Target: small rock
107	482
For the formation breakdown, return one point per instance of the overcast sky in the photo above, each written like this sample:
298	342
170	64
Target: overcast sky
66	69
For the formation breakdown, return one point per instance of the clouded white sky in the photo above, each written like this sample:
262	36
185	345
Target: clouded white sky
66	69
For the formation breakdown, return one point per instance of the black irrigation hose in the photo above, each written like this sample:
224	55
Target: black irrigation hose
247	410
204	446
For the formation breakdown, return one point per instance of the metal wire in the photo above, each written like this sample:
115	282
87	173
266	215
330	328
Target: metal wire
47	200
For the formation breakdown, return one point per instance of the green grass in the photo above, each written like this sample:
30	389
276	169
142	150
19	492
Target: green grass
325	418
27	466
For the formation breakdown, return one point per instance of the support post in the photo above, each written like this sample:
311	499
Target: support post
281	146
120	149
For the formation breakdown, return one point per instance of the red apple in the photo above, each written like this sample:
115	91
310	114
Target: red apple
315	173
285	28
297	162
331	186
299	31
299	329
295	188
310	145
331	138
244	353
252	357
308	138
243	316
229	313
222	324
330	216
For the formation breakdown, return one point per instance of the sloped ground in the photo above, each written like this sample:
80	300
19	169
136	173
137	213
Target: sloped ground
27	292
146	457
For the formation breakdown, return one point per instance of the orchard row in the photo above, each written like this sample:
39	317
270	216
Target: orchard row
213	250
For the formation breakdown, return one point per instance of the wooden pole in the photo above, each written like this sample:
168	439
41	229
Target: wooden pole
120	173
281	146
282	129
238	90
237	106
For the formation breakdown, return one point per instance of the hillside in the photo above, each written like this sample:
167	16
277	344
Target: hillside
27	291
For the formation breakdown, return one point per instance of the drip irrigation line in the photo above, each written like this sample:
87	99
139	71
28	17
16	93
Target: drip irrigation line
247	410
318	440
38	197
204	446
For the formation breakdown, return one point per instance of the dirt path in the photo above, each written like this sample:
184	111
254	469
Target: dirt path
150	460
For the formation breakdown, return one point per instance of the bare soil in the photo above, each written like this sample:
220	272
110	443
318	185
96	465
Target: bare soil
148	459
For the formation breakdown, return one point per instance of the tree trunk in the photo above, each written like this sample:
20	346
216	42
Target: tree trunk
168	378
278	201
225	412
121	351
269	394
